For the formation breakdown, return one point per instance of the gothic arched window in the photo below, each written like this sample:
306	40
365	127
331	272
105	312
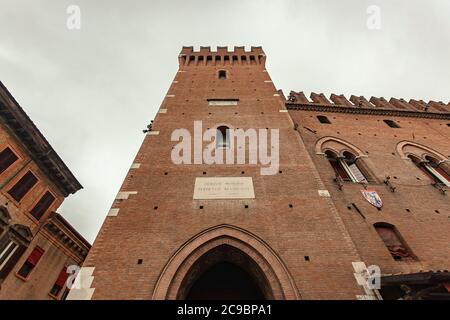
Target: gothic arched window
346	167
432	168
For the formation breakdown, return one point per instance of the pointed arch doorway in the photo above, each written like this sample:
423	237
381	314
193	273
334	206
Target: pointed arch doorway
225	262
225	273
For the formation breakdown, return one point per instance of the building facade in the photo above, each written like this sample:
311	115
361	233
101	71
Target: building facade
37	245
240	193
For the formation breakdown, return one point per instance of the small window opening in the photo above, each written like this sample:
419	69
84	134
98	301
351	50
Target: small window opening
223	137
323	119
391	123
222	74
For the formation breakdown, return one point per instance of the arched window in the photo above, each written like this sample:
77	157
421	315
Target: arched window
337	166
222	74
223	137
433	169
346	167
393	242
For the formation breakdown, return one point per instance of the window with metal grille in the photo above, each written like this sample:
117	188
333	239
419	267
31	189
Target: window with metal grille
7	158
42	206
20	189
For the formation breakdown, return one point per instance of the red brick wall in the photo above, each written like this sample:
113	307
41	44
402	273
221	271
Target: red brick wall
311	228
426	231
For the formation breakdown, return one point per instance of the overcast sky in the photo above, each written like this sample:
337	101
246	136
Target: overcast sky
91	91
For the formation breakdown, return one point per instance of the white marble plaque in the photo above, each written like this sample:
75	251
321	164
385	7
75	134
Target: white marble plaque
224	188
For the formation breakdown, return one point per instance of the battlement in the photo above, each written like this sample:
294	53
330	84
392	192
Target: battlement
360	102
221	57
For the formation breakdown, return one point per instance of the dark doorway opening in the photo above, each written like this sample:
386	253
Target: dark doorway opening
225	273
225	281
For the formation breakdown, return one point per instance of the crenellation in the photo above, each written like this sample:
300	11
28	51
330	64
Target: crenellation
375	102
320	98
298	97
438	106
341	100
381	103
205	57
400	104
419	105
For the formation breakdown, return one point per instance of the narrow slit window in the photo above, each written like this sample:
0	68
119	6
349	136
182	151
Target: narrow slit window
391	123
223	137
20	189
7	158
323	120
223	102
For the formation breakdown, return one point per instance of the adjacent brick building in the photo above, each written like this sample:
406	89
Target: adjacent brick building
191	230
36	243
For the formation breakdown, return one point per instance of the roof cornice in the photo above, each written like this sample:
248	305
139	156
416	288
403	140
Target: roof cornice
22	127
368	111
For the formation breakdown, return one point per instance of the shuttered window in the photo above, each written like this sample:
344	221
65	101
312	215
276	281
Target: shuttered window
357	174
438	174
340	171
7	158
9	255
60	282
7	252
24	185
42	206
31	262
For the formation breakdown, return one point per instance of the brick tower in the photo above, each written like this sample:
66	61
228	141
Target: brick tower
192	230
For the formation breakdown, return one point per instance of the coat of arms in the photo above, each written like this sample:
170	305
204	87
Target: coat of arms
373	198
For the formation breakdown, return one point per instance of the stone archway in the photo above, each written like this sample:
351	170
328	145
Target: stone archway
225	273
225	244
